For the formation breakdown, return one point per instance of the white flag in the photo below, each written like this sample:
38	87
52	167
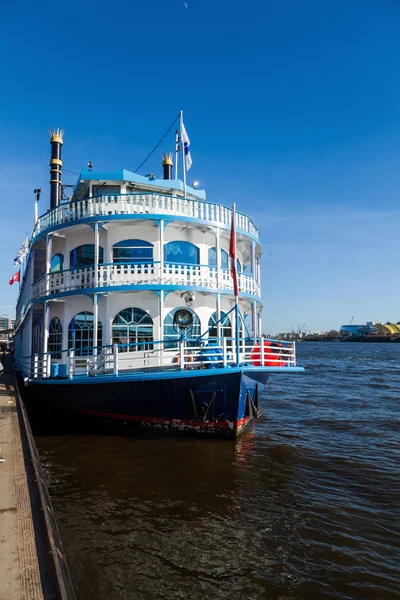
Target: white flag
22	252
186	147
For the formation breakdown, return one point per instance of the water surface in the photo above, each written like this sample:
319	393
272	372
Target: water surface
304	505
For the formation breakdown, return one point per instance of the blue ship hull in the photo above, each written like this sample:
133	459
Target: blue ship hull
213	401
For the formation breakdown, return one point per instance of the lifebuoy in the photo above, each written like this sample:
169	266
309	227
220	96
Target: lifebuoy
271	359
188	358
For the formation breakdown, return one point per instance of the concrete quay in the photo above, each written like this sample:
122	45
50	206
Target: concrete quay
32	562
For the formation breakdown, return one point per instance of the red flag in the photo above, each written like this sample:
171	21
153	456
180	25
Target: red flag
232	252
14	278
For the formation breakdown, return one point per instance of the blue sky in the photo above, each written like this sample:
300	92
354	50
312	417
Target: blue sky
292	107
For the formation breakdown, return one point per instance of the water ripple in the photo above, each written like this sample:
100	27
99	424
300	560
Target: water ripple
305	505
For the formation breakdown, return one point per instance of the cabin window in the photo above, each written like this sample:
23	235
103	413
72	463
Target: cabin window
83	256
224	259
226	329
238	266
181	253
133	251
80	334
171	336
106	190
55	338
37	339
133	327
57	263
212	258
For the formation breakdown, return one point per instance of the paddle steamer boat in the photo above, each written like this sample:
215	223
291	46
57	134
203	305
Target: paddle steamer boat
127	307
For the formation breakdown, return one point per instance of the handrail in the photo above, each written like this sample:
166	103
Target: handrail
150	273
142	203
161	355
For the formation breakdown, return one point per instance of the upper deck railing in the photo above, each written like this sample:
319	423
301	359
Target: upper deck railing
111	275
143	204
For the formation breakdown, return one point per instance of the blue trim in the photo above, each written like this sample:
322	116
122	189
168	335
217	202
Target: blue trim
138	287
170	374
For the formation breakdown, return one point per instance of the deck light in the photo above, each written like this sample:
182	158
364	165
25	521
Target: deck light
183	318
195	184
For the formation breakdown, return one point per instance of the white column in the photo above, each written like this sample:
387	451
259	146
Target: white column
49	250
218	253
95	322
46	326
107	326
258	270
161	249
96	254
161	316
253	259
254	318
260	324
65	331
218	311
95	284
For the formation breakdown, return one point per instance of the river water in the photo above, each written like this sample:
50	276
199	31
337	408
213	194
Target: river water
306	504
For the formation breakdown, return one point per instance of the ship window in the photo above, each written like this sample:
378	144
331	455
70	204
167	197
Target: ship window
80	334
83	256
171	337
55	338
133	251
57	263
37	342
133	327
238	266
226	329
212	258
224	259
181	253
106	190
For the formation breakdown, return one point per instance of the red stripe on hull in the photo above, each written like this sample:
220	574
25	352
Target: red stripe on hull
169	422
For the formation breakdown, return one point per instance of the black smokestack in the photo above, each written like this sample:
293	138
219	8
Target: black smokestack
167	166
56	141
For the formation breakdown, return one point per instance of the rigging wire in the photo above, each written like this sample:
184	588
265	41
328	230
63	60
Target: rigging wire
148	156
155	147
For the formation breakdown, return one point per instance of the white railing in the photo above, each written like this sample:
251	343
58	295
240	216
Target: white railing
153	204
156	356
144	274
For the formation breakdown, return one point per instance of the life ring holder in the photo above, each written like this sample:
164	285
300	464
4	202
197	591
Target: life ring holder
188	358
271	359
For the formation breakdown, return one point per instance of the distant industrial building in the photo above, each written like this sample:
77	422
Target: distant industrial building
373	329
366	329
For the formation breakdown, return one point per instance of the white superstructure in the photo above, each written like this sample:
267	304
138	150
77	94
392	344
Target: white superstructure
114	263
